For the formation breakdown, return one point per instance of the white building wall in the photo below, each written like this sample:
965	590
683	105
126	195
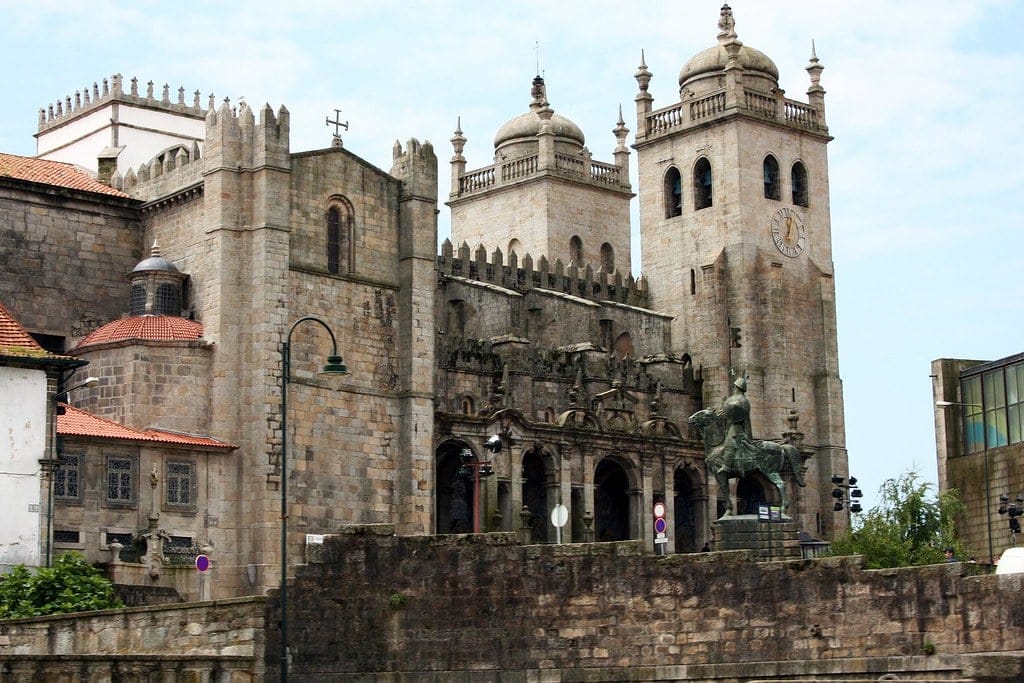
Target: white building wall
22	445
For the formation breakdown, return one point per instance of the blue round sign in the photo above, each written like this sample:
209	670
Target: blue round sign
660	525
202	562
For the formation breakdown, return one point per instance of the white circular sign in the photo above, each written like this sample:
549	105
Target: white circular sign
559	515
659	509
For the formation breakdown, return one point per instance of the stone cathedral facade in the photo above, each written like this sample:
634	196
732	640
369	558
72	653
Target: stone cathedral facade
180	282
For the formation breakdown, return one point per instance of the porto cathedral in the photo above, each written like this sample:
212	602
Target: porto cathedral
176	244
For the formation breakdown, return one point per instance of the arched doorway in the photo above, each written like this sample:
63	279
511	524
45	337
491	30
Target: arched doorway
611	501
685	507
453	495
535	496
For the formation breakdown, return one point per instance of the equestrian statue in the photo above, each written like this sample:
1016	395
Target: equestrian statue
731	452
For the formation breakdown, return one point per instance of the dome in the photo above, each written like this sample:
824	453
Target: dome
715	58
154	262
145	328
527	126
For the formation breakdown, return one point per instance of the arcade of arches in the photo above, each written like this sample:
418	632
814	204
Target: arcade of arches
609	503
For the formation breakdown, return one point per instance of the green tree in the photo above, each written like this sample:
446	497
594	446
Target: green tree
71	585
911	525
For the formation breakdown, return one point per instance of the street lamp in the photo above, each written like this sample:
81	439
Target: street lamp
335	366
478	470
988	481
1014	509
52	464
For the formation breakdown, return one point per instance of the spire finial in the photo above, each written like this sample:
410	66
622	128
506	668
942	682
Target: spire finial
154	251
643	75
726	24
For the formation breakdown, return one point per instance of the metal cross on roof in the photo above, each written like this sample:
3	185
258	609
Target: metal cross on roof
338	125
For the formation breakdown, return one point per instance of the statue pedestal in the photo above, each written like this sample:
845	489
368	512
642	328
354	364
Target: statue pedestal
767	540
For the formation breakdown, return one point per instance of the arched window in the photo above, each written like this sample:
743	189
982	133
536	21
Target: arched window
137	306
576	250
607	258
800	197
339	237
771	178
514	246
702	184
673	193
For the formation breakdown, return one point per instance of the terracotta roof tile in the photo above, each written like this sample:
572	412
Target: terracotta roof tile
147	328
53	173
77	422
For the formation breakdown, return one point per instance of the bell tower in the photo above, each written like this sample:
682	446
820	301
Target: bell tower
737	245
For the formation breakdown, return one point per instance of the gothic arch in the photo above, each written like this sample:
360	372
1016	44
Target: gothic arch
607	258
689	509
615	504
753	490
576	250
453	494
772	188
703	184
673	193
539	491
340	238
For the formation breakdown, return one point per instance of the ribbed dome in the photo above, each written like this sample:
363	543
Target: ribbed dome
715	58
146	328
525	127
528	125
154	262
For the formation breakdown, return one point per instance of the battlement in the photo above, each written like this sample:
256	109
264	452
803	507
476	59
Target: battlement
571	280
416	167
88	99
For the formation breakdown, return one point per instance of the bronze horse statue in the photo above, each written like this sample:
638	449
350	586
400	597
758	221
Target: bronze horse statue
730	455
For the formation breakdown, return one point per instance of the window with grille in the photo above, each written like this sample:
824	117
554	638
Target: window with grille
168	299
120	480
181	484
138	300
67	478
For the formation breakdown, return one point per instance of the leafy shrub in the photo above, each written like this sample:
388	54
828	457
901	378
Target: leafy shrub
71	585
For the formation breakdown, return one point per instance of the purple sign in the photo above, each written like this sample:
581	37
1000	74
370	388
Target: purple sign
202	562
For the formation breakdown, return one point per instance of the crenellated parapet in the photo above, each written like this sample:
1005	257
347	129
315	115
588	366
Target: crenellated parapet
523	276
111	89
234	138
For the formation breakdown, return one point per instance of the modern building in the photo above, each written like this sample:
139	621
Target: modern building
181	280
979	442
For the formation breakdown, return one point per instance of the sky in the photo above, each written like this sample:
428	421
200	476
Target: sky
922	99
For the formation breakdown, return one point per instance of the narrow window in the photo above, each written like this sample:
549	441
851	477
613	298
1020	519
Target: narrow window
120	480
339	237
771	178
576	250
673	193
333	240
693	281
799	179
702	184
181	484
607	258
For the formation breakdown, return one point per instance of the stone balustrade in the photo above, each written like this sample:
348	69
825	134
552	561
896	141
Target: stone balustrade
683	114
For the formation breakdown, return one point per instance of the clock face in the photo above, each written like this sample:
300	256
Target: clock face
788	232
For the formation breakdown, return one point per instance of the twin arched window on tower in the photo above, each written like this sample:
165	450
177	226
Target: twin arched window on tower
702	188
340	222
798	181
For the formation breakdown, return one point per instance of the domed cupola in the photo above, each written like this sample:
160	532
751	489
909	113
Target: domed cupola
156	286
705	71
518	137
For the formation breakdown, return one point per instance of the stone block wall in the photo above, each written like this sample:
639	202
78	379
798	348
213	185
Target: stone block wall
405	608
64	256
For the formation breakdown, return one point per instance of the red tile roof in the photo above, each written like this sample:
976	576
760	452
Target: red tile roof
146	328
76	422
16	342
53	173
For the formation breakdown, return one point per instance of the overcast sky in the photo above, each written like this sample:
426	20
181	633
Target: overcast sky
923	98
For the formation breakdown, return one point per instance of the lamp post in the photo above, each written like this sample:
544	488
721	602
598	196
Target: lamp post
52	464
335	366
988	481
846	494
